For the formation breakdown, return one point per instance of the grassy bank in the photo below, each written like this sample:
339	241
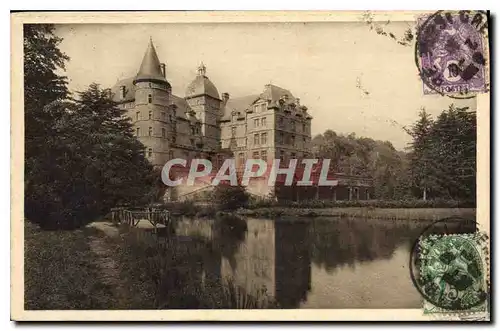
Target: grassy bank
60	273
428	214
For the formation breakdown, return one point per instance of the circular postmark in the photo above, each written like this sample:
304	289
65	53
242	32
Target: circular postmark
448	269
450	53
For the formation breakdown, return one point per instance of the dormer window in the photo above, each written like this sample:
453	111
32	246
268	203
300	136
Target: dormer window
263	107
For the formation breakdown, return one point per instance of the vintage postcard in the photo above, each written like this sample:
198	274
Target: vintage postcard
265	166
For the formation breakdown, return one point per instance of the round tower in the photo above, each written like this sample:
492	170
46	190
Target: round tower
152	98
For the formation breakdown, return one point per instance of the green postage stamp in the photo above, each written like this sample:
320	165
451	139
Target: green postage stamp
454	273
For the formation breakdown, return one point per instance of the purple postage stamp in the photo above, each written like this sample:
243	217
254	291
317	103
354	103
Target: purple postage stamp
451	53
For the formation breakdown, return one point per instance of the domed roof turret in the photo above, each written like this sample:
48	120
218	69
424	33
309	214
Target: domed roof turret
201	85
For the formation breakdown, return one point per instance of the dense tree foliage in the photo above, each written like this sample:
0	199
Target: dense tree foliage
443	156
440	161
81	155
366	157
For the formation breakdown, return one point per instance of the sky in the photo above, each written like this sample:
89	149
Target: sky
350	78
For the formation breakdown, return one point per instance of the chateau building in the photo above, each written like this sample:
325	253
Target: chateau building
205	124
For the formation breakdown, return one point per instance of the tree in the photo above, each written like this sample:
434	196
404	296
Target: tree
42	87
454	153
95	163
361	156
443	156
422	163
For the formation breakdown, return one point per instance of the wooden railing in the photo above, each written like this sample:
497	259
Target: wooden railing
133	217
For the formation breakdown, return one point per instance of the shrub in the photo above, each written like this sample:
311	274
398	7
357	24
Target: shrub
227	197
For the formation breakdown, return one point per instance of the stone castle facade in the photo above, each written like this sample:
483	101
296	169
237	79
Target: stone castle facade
204	124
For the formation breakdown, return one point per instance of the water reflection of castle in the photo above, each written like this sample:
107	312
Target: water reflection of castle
279	255
274	256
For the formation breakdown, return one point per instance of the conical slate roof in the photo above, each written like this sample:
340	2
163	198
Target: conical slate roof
150	67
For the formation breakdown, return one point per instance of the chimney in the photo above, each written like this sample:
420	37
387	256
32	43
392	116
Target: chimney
225	97
123	91
163	71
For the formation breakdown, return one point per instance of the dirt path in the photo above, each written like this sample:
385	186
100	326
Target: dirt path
106	261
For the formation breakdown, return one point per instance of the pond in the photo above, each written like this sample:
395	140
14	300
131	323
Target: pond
312	263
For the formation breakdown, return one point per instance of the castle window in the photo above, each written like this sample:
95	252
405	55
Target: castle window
150	114
256	139
281	138
193	130
174	139
241	159
263	138
137	115
192	142
150	152
263	107
255	122
263	155
282	155
137	131
263	121
293	155
163	115
304	141
171	155
292	140
163	132
256	108
255	155
303	127
150	131
281	122
293	125
170	118
233	131
150	98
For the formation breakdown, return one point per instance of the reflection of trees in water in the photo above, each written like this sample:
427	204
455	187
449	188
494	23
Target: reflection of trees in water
292	263
193	273
229	232
346	241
